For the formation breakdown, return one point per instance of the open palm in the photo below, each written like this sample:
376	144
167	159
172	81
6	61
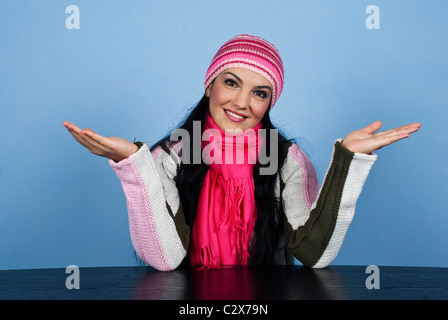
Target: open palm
366	140
113	148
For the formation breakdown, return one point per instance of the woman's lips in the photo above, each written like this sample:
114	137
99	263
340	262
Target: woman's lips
234	116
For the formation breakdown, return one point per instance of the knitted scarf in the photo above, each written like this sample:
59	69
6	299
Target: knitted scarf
226	212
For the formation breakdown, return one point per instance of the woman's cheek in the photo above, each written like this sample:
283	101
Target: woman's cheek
260	110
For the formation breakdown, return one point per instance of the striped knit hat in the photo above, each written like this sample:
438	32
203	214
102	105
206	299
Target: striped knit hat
253	53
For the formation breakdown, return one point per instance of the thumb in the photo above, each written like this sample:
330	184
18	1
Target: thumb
374	126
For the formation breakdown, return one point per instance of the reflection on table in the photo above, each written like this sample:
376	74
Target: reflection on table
228	283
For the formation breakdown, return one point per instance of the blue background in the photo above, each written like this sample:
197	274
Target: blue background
134	68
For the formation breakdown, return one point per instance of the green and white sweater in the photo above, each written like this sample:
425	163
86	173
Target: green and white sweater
316	220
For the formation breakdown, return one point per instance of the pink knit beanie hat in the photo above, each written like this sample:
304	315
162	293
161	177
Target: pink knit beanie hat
253	53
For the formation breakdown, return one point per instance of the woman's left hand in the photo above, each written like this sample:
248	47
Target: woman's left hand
367	141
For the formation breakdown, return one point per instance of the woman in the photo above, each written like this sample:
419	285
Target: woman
219	208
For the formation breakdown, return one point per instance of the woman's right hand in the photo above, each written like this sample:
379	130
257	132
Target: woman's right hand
113	148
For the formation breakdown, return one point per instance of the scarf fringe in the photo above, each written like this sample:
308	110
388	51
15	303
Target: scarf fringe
235	194
207	260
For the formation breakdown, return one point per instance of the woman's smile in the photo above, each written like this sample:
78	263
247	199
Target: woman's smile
234	116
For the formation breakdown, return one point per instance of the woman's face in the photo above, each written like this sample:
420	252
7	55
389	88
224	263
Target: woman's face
239	98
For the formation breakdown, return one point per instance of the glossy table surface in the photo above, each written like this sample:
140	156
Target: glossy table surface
231	283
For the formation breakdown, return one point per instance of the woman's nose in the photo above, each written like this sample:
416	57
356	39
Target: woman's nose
242	99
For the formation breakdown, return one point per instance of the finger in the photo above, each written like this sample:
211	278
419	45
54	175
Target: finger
393	134
67	123
83	139
402	133
71	126
76	131
99	139
397	137
413	127
409	128
85	142
373	127
415	124
95	143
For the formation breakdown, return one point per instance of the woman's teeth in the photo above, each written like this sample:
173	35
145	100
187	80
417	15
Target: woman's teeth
234	115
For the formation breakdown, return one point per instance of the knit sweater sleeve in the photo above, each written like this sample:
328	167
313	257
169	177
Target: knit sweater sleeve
157	225
316	220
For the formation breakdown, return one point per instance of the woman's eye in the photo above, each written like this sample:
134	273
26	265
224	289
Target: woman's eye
230	82
261	94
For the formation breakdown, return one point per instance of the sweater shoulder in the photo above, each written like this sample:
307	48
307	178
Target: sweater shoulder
299	172
168	150
296	157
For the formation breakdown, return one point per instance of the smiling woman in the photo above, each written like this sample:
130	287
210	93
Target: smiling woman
215	214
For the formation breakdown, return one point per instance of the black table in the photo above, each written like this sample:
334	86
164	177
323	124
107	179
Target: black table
232	283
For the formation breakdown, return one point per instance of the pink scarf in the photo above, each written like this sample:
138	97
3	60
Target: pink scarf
226	212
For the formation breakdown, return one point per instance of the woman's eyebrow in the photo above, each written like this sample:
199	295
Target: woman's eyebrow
263	87
239	80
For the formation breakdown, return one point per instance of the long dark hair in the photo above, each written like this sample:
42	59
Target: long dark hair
269	224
